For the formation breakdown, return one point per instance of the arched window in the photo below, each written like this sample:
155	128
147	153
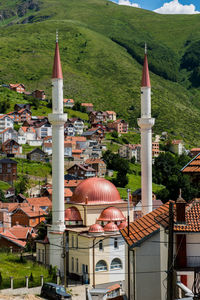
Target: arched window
116	264
101	266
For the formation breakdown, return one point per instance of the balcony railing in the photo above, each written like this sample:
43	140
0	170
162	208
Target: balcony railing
191	262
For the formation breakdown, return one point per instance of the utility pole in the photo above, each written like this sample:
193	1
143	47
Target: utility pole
170	272
128	217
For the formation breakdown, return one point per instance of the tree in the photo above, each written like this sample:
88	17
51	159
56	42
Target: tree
166	171
2	196
21	185
42	228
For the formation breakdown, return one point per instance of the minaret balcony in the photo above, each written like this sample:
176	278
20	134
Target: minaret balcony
57	119
146	123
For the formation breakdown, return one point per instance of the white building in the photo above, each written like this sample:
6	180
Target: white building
6	122
8	134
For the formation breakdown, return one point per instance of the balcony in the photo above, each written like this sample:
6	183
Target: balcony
190	262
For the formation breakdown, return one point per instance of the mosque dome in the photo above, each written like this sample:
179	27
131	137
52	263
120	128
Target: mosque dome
96	228
111	214
96	191
122	225
111	227
72	214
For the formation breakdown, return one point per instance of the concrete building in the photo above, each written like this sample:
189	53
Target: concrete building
177	146
145	123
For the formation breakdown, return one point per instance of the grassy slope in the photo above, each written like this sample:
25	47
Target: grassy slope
99	70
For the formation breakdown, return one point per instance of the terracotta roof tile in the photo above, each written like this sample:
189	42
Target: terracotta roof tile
193	166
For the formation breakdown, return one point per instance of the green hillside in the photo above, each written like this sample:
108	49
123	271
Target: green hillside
101	47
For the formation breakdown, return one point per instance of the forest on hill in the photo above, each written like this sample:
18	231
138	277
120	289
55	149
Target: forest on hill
102	49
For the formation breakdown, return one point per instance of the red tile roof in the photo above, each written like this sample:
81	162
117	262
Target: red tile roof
86	104
193	166
176	142
94	161
20	232
144	227
71	183
40	201
9	236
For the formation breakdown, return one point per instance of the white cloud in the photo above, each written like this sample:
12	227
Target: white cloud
128	3
174	7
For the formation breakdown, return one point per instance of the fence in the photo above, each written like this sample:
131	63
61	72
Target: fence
25	282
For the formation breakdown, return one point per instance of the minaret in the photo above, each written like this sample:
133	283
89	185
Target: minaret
57	119
146	123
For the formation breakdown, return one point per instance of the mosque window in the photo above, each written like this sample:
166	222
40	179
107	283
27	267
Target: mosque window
72	241
116	243
72	264
77	241
116	264
101	266
101	245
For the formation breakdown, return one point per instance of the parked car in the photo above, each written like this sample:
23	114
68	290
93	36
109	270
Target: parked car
54	291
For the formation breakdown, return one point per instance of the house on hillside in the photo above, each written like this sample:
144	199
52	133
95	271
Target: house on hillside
88	106
17	87
28	132
69	103
78	126
39	94
194	152
98	165
94	134
8	134
111	115
37	155
120	126
81	171
29	216
43	129
129	151
177	146
11	147
8	170
6	122
97	116
22	115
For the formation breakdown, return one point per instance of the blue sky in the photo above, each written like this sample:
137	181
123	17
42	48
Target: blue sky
165	6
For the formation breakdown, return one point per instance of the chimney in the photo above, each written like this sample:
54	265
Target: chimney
17	223
180	209
33	208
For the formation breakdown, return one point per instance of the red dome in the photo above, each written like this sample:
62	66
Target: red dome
96	228
123	225
96	190
110	227
72	214
111	214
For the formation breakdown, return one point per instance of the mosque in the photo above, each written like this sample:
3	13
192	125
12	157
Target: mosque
84	240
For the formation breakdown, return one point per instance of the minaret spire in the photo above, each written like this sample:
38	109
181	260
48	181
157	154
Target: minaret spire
146	123
57	69
57	118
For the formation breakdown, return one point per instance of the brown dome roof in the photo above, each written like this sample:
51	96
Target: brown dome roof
72	214
96	228
111	214
123	225
96	190
110	227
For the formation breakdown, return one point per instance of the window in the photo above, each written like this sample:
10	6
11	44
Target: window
77	238
72	241
116	264
77	265
38	254
115	243
101	245
101	266
72	264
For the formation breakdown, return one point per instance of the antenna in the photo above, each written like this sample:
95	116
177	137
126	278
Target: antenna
56	35
145	48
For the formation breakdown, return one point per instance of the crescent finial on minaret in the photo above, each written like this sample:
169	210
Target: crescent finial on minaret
56	35
145	48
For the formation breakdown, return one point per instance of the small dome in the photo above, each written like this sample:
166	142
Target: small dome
111	227
96	228
95	190
111	214
72	214
123	225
